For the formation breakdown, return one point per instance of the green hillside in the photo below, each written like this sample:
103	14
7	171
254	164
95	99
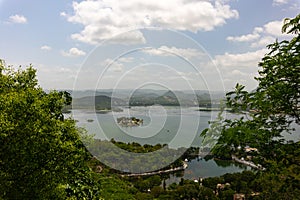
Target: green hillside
100	102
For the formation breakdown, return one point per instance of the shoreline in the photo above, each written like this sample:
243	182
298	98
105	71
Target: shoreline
248	163
185	165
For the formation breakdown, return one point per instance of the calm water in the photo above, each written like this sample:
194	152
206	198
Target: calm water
201	168
177	127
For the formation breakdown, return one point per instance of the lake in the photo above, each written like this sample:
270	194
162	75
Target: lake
175	126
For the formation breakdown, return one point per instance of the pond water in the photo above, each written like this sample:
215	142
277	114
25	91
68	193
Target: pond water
202	169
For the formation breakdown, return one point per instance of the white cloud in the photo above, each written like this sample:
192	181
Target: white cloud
129	37
18	19
126	59
274	28
104	19
173	51
240	67
246	38
63	14
236	72
113	65
280	2
143	75
56	76
46	48
243	38
262	36
236	61
263	42
73	52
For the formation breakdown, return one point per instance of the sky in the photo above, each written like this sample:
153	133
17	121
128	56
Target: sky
171	44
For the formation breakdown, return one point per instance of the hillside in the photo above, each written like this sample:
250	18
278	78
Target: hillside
170	98
104	99
100	102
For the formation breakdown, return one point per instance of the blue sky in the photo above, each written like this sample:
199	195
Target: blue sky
177	44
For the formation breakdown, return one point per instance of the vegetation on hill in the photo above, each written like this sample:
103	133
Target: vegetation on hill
170	98
41	153
105	101
133	158
100	102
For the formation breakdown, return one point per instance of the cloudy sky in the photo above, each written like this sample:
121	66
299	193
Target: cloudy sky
175	44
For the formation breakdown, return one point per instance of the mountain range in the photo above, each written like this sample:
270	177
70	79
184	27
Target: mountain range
106	99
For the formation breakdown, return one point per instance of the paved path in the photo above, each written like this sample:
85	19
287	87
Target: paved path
249	163
157	172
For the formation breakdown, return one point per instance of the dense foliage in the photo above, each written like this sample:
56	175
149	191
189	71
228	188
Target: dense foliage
41	153
136	158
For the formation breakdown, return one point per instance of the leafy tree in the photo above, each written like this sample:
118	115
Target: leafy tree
267	112
206	193
143	196
112	187
154	181
212	182
41	153
227	194
272	106
156	191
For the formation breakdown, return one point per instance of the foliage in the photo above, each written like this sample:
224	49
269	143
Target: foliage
267	112
273	106
170	98
136	158
98	102
112	187
41	153
136	147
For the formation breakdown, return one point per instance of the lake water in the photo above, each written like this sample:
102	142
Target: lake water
177	127
201	168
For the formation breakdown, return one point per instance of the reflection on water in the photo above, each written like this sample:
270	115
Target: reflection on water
199	168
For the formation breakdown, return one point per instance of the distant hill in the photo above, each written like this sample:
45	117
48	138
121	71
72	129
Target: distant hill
117	93
100	102
104	99
169	98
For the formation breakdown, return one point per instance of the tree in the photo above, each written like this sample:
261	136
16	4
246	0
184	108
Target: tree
274	105
227	194
206	193
156	191
266	113
41	153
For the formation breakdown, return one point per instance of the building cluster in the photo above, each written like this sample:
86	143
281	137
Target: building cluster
129	121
